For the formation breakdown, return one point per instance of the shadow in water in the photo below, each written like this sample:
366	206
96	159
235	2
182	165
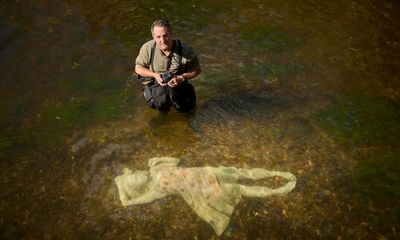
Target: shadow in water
229	109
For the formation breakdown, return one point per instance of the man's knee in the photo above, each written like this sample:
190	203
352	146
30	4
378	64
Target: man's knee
186	106
162	105
184	97
161	97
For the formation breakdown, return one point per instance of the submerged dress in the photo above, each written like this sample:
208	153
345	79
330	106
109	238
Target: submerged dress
201	187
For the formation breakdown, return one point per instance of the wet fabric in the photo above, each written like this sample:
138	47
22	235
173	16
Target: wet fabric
212	192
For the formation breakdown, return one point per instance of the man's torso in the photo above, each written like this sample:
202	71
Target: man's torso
160	61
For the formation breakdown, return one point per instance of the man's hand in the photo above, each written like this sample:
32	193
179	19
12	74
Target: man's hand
145	72
175	81
159	79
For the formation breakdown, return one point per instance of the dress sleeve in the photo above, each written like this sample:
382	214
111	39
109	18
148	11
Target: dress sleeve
144	198
167	160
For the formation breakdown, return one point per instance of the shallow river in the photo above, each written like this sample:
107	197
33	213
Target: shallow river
310	87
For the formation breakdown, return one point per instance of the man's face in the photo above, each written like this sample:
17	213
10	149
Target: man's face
163	38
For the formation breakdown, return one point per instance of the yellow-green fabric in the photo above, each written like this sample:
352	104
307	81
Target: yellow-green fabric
212	192
189	58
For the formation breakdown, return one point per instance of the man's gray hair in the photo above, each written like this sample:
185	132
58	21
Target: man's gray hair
160	23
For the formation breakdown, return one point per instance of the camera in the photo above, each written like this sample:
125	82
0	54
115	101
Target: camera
166	76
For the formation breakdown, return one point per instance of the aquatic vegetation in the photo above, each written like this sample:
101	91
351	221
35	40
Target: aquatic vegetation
362	120
269	38
108	107
370	127
14	115
296	131
377	182
216	82
216	77
86	110
94	99
5	134
5	144
9	35
91	84
377	174
298	128
129	22
48	124
271	70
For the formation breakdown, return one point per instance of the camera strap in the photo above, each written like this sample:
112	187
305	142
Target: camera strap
171	54
179	53
153	50
177	44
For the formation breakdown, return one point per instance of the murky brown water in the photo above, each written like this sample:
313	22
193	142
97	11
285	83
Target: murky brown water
308	87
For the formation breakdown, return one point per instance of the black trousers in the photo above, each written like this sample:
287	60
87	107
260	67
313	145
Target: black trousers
183	97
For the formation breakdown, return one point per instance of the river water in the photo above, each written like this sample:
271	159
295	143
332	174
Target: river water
310	87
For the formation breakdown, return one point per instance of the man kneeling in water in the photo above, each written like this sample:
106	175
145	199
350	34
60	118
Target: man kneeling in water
165	65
